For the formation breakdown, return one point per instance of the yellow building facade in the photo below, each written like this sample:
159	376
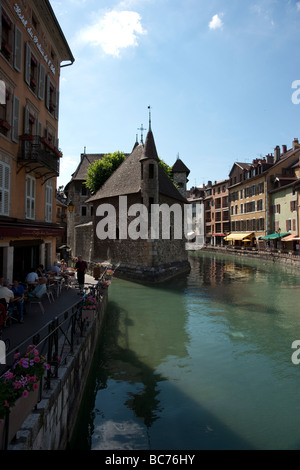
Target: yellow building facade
33	49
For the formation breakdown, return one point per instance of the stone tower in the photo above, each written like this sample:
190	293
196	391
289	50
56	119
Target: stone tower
180	176
149	173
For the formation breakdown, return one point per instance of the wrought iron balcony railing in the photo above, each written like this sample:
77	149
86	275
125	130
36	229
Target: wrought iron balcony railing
37	154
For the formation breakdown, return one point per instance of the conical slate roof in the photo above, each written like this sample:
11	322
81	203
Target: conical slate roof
126	179
150	148
179	167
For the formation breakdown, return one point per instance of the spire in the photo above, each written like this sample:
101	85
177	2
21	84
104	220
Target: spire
150	151
149	107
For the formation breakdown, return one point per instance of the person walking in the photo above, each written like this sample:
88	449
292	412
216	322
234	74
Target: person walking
81	267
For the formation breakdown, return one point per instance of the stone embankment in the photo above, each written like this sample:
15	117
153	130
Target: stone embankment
51	424
285	258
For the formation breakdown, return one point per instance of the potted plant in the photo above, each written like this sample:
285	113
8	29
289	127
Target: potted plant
97	271
89	308
19	390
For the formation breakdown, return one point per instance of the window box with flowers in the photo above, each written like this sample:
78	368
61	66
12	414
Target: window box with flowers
5	124
89	309
19	392
26	137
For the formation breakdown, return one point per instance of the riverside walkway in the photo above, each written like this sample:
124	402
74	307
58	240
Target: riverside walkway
34	320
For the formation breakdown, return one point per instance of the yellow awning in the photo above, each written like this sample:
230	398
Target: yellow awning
238	236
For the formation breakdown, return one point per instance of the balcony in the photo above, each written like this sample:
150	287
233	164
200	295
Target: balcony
38	155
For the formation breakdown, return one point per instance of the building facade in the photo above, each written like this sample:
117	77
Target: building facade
33	49
250	195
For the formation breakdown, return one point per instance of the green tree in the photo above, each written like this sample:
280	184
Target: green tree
167	169
100	170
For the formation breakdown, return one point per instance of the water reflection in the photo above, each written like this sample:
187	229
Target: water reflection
202	362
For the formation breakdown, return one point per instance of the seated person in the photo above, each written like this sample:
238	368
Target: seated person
18	291
63	265
6	293
32	276
39	290
55	269
41	272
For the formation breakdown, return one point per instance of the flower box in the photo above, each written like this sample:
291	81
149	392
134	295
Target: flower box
17	416
5	124
28	137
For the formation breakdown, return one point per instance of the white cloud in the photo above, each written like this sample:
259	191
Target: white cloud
216	22
114	31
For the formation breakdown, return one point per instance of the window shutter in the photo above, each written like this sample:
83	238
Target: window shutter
48	204
15	119
26	120
39	128
294	225
27	63
18	49
30	197
4	188
47	91
56	104
42	75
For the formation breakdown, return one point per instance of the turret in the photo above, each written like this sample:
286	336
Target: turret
180	176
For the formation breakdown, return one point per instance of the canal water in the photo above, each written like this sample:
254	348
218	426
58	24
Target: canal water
202	362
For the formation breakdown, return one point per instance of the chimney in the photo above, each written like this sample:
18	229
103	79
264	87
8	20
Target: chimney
295	143
284	149
276	154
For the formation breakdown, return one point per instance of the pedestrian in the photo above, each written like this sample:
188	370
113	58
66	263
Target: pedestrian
81	267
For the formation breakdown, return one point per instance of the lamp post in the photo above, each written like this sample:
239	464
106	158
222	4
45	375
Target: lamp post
70	226
71	206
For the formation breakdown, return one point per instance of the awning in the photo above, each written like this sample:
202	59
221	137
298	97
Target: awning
218	234
290	238
238	236
275	236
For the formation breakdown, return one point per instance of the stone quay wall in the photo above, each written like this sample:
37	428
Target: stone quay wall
51	424
288	259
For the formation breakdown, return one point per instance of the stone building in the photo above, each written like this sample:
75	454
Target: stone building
127	207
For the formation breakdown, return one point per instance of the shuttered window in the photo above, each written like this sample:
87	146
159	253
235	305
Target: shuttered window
48	203
18	50
15	119
30	198
42	83
27	63
4	188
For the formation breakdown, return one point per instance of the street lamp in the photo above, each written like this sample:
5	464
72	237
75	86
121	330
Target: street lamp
71	206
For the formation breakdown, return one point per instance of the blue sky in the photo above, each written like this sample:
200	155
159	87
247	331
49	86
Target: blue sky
218	76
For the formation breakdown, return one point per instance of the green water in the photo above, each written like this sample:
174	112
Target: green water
203	362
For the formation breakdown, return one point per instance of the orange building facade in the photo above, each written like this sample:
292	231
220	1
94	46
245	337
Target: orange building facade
33	50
